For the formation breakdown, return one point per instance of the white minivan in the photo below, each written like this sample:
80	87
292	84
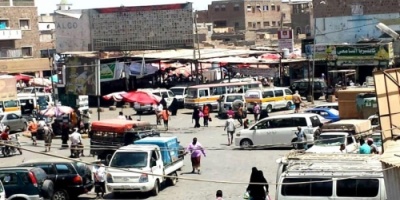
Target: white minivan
278	130
357	178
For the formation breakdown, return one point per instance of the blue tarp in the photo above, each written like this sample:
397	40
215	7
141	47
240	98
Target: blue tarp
169	147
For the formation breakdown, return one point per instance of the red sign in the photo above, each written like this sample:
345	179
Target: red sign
142	8
285	34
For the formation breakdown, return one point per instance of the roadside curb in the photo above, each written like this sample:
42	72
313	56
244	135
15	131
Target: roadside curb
27	134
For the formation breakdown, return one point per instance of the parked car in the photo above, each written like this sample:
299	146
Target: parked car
327	113
279	129
2	192
302	87
26	183
229	100
334	105
70	178
16	123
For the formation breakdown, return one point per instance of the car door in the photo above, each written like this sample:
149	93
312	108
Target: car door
279	98
10	181
263	134
64	173
204	96
156	163
282	130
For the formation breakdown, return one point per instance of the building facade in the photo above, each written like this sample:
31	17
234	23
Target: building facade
19	38
46	34
125	28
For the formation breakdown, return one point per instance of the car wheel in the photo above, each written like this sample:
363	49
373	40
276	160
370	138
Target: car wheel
246	143
156	188
269	108
60	195
294	145
288	105
173	179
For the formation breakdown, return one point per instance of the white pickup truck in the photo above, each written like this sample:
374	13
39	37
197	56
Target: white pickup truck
142	167
330	142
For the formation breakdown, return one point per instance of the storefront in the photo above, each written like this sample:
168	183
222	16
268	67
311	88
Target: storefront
364	58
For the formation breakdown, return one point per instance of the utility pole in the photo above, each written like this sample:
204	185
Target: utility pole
196	37
314	49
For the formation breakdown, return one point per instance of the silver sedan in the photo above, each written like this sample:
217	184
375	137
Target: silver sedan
16	123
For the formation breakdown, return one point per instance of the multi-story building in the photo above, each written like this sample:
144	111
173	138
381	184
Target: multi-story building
46	34
19	38
249	15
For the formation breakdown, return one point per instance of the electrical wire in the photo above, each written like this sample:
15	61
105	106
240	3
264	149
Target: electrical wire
188	178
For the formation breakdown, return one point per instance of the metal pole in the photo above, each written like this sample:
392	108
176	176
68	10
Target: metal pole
98	90
51	76
313	65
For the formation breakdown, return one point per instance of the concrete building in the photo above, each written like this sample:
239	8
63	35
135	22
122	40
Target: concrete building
19	38
124	28
301	17
243	16
46	34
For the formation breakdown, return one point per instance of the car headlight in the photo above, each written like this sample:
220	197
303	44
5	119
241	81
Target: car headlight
144	178
109	178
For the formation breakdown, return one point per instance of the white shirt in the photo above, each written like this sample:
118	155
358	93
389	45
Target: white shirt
99	172
75	138
121	117
230	125
160	108
86	118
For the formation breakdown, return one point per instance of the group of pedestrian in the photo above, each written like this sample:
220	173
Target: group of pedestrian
201	113
368	147
43	129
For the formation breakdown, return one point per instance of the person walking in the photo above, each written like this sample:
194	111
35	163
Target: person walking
48	135
230	129
195	149
301	139
121	115
239	115
297	101
218	195
256	111
33	128
206	114
76	140
99	173
86	121
196	117
230	112
165	116
258	186
364	147
174	107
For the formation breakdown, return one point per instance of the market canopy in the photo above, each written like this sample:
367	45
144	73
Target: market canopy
23	77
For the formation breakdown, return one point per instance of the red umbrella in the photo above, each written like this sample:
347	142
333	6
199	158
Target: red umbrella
141	97
22	77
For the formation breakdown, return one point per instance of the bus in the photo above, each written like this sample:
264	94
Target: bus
199	95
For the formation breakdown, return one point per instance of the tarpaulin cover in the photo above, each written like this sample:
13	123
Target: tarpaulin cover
117	125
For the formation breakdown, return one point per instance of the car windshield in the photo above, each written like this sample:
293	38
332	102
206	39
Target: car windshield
377	140
192	93
330	140
177	91
129	160
230	99
333	111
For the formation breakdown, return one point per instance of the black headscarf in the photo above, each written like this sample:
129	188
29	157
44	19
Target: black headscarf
259	190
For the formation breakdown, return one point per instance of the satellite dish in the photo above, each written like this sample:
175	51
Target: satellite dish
388	31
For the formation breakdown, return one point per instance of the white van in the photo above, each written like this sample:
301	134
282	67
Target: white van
349	177
269	98
180	94
161	92
279	129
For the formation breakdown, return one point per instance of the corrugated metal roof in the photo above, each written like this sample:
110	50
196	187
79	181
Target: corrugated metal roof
391	153
187	54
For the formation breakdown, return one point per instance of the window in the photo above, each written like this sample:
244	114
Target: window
278	8
258	24
216	9
164	94
272	7
267	94
11	103
249	24
249	8
259	8
319	189
236	7
350	140
24	24
263	125
265	8
236	24
315	121
299	121
279	93
63	169
209	28
288	92
203	93
281	123
323	113
4	24
273	23
170	94
47	168
26	51
218	90
223	8
12	117
357	188
266	24
9	178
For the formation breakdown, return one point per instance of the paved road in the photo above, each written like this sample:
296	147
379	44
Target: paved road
222	163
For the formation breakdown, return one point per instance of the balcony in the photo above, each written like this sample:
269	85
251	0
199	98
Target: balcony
6	34
10	53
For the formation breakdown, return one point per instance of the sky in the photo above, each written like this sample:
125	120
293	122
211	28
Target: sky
48	6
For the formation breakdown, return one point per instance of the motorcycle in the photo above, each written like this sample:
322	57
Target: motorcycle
76	150
8	150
